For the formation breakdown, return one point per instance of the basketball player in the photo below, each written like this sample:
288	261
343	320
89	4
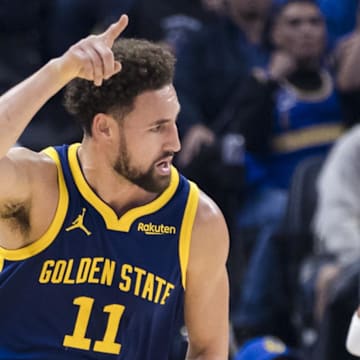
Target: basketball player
103	243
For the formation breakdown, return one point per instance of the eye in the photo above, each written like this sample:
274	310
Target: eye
157	128
294	22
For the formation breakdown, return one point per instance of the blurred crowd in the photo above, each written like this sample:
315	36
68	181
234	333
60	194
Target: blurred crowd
270	107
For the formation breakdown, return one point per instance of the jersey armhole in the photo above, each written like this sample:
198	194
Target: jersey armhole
50	234
186	229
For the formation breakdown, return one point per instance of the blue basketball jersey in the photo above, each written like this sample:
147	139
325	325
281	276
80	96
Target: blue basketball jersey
96	286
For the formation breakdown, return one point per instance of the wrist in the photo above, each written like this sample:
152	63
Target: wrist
60	70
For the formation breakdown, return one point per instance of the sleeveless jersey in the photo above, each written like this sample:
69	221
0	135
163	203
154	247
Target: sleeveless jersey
304	125
96	286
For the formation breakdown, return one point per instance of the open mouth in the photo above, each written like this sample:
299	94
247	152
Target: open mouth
164	167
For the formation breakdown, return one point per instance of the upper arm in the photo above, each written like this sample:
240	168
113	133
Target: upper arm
21	175
207	289
14	176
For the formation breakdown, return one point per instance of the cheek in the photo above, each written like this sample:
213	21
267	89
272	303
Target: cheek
144	153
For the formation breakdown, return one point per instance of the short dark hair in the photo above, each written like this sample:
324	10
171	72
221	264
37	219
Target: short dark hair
145	66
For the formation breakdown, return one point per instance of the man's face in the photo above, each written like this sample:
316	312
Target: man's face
249	9
300	31
149	139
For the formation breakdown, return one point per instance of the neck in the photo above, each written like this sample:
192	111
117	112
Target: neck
115	190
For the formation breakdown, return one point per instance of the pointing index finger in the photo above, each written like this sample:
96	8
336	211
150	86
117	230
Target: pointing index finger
114	30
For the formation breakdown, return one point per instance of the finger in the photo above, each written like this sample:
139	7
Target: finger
96	64
114	30
118	67
86	71
107	58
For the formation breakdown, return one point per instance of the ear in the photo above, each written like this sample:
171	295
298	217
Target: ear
103	127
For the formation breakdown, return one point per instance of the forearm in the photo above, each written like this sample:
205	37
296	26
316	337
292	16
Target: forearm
22	102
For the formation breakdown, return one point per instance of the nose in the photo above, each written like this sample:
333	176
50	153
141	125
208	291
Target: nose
177	143
174	144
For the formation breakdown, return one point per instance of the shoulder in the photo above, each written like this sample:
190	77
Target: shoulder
34	166
210	237
26	156
25	173
208	211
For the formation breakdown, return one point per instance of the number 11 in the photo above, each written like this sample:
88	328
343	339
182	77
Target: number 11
78	339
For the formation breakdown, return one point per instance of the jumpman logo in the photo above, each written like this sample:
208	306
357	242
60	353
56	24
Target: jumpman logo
78	223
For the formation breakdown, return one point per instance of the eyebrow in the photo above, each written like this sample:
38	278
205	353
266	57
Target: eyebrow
164	121
160	122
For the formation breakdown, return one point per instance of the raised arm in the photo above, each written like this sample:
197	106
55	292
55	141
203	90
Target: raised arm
90	58
24	174
207	288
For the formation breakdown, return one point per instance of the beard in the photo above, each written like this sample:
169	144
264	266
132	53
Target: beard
148	180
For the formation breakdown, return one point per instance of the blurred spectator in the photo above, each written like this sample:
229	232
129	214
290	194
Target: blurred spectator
337	248
340	17
337	218
299	113
171	21
210	69
211	66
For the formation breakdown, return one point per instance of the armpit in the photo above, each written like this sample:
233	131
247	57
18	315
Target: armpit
17	216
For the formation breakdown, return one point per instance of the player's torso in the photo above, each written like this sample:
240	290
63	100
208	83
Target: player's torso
105	288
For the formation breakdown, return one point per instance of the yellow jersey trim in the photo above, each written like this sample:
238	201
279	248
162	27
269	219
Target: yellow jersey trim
1	263
49	236
112	221
186	230
315	135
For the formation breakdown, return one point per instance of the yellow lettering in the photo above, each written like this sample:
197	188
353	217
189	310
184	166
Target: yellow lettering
58	272
125	269
148	290
94	270
169	287
45	274
139	274
83	270
67	279
108	272
161	282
